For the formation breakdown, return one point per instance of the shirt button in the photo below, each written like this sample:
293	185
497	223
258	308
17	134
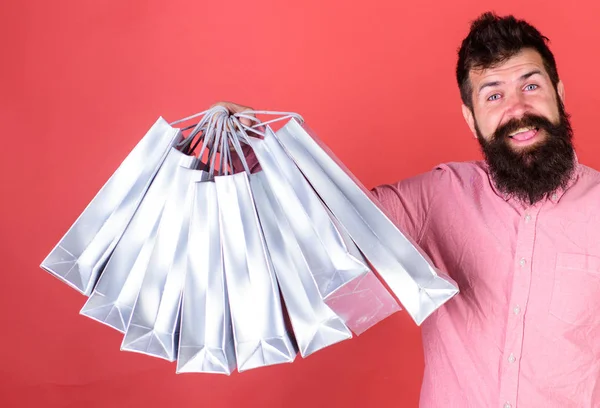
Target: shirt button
511	358
527	218
507	405
522	262
554	196
517	310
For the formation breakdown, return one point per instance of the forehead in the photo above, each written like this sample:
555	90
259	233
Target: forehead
526	60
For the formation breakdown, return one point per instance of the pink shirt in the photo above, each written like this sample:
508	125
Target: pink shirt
525	329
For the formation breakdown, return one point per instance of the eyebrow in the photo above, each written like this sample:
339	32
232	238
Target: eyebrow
496	83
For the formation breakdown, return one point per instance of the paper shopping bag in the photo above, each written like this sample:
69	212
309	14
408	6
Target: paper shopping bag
407	271
115	294
154	325
83	251
206	336
260	334
314	324
330	261
364	301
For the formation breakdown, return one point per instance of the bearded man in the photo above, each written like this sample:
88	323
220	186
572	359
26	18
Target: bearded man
519	232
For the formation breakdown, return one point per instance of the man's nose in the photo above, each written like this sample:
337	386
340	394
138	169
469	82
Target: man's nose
516	106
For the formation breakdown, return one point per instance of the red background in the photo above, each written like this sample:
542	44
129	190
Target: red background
82	80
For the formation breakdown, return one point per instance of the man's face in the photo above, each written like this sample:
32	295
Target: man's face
510	90
521	125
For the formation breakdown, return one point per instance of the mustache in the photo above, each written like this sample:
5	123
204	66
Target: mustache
527	120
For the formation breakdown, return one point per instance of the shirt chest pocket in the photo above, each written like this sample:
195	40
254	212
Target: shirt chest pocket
576	291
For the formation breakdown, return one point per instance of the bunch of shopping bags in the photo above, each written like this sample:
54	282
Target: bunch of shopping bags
196	259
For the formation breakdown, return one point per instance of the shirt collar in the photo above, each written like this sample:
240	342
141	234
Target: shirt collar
554	197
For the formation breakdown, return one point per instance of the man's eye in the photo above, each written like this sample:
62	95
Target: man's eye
494	97
531	87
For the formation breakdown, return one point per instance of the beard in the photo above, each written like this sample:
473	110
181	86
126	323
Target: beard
532	173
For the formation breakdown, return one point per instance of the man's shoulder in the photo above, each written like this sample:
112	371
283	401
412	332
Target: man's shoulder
589	171
462	171
455	177
589	176
448	175
471	166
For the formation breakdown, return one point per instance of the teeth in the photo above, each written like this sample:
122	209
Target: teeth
525	129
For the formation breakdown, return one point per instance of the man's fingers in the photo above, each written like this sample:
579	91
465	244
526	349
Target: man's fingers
234	108
246	121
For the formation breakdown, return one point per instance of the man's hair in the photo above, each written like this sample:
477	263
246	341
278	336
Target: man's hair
493	40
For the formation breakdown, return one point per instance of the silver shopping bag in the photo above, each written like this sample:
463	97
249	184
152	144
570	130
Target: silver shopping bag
407	271
364	301
115	294
331	264
82	252
154	324
260	334
311	249
314	324
205	337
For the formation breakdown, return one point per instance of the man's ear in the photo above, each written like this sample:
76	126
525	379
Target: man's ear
469	118
560	89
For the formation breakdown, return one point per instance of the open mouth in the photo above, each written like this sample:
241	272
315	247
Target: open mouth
523	134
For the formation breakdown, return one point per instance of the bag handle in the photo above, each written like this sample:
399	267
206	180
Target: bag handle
218	129
201	127
240	131
251	115
217	137
235	141
226	155
213	140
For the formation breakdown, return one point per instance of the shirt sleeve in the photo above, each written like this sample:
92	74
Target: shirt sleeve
409	201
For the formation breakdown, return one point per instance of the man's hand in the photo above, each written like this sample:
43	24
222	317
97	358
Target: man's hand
235	108
248	154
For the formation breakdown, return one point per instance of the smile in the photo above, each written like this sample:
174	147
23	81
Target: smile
523	134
